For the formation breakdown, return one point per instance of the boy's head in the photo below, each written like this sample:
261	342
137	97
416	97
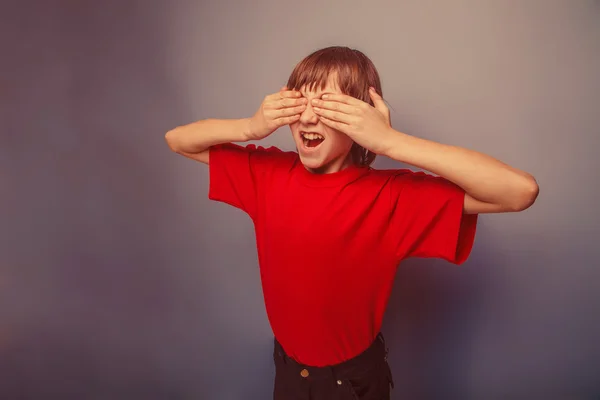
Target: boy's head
335	70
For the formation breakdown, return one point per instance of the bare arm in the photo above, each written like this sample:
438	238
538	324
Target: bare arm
491	186
194	140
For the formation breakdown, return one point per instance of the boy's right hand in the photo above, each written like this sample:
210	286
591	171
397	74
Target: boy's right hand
276	110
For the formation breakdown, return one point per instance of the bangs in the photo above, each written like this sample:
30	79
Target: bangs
352	72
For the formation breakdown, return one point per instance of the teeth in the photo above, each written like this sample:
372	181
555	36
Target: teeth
312	136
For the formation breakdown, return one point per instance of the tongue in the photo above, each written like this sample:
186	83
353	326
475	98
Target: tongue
314	142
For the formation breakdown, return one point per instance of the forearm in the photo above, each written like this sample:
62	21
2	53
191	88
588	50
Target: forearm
200	136
479	175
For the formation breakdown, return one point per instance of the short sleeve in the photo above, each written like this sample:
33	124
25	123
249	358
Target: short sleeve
427	218
238	173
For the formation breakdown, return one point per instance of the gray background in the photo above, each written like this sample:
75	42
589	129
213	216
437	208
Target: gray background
119	279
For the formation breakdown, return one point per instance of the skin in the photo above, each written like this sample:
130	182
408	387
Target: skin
333	154
491	186
194	140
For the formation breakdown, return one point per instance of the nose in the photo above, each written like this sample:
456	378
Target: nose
308	117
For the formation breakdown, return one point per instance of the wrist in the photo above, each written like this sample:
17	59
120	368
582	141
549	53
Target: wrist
247	129
395	145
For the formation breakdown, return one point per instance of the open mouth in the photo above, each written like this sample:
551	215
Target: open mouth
311	140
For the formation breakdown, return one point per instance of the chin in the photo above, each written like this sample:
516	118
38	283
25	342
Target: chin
312	163
322	158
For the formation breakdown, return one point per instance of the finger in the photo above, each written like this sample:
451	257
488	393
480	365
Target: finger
340	126
378	101
342	98
288	111
290	102
284	94
289	94
333	115
334	106
287	120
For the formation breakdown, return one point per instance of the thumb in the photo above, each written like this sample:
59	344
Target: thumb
378	102
377	99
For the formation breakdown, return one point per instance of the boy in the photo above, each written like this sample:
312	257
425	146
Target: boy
330	229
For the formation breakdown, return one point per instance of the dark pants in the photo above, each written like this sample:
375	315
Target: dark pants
364	377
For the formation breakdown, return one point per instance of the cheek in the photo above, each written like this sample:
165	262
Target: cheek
340	141
293	127
338	136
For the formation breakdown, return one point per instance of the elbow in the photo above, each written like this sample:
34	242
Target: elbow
526	195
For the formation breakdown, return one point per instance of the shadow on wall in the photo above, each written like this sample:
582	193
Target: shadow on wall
430	322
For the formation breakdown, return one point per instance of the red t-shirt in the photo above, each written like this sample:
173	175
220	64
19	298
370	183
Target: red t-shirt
329	244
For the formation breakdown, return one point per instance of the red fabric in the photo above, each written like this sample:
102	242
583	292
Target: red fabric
328	245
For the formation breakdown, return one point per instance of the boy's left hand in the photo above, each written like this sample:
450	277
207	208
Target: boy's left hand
368	126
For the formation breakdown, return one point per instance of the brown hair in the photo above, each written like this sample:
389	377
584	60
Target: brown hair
355	74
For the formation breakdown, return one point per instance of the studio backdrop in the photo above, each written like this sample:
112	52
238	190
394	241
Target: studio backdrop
119	279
